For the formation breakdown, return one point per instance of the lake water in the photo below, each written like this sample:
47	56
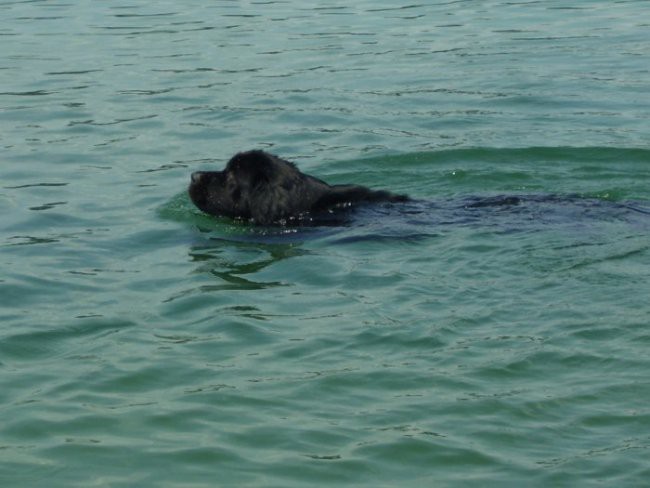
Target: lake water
432	343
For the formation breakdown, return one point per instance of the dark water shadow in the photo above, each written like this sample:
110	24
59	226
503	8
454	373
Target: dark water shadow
236	262
420	220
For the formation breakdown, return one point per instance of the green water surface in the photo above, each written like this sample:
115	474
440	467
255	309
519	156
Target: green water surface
143	343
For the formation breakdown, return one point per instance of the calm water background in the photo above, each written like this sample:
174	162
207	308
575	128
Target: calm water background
143	344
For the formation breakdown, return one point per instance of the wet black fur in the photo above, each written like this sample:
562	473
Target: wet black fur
265	189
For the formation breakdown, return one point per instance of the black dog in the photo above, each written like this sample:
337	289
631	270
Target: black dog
265	189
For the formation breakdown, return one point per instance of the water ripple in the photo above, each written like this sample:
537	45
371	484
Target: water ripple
437	343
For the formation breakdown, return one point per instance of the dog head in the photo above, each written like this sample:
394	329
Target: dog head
254	186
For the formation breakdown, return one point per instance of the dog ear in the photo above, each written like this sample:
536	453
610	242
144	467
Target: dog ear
252	166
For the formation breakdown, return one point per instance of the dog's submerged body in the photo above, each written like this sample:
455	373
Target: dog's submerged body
262	188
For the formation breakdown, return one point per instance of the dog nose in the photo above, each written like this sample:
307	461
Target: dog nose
196	176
